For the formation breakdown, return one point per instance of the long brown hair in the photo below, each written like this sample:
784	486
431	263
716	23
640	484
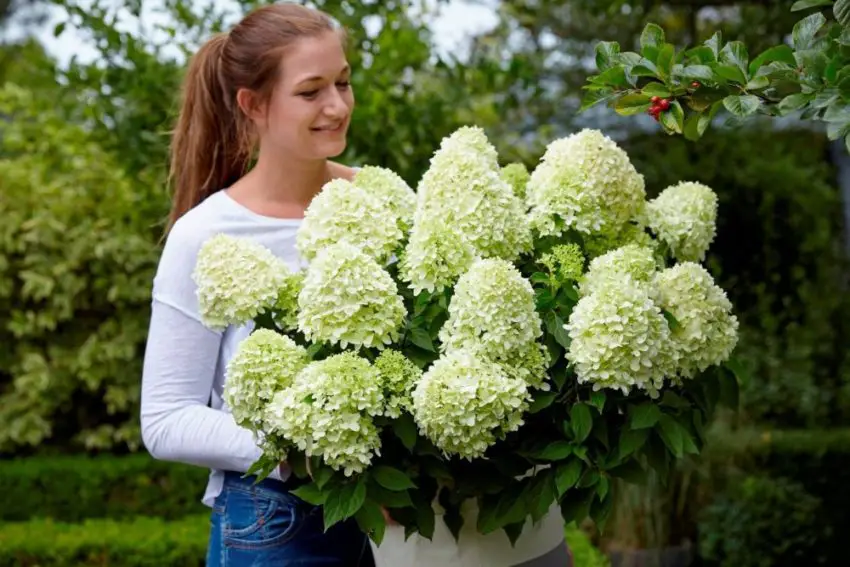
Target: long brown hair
213	140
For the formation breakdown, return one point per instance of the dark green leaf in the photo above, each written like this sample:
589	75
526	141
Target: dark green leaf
704	97
311	494
644	415
602	487
728	389
743	105
671	433
343	502
555	451
392	478
841	11
781	53
672	322
540	493
735	53
555	326
425	516
405	429
436	468
59	29
513	531
613	76
581	421
575	504
559	376
630	471
806	4
388	498
805	30
714	43
542	400
631	104
737	367
631	440
793	102
646	69
664	63
422	339
567	475
701	54
507	507
692	127
656	89
724	73
539	277
544	299
322	476
606	52
597	400
758	83
600	510
588	479
371	521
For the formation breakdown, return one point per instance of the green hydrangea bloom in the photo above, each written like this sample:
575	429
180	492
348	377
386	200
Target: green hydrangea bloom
265	363
344	211
464	404
684	216
708	330
398	376
436	254
620	338
285	308
329	411
585	181
395	194
566	261
636	261
517	176
236	279
348	299
493	306
631	233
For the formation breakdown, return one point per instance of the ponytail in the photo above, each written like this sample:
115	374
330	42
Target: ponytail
209	149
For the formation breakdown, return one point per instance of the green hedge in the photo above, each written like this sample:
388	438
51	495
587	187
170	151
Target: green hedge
141	542
70	489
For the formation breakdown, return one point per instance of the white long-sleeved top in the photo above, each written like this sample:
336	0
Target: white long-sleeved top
183	416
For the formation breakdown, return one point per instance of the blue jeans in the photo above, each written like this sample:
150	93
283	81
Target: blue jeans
264	525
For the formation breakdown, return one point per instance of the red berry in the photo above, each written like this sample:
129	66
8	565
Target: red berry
665	104
695	84
655	99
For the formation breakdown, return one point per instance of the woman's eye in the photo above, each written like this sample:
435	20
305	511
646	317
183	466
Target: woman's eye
309	94
343	84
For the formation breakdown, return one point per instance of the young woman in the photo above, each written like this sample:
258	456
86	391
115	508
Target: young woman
276	87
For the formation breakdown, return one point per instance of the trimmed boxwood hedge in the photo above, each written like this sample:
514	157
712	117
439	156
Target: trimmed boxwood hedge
72	488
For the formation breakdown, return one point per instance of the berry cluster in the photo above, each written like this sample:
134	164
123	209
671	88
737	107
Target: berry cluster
659	105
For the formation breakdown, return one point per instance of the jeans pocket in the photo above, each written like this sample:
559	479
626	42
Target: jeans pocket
255	520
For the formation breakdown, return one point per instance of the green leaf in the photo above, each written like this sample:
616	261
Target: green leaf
714	43
644	416
59	29
581	421
631	440
728	389
655	89
698	73
782	53
392	478
695	127
540	277
671	433
322	476
602	487
555	326
344	502
513	531
631	104
567	475
388	498
724	73
847	142
542	400
544	299
539	494
614	76
737	367
803	34
311	494
806	4
743	105
758	83
645	69
371	521
422	339
507	507
793	102
606	52
651	40
674	118
600	510
665	60
556	451
841	11
704	97
630	471
735	53
575	504
672	322
701	54
425	516
597	400
405	429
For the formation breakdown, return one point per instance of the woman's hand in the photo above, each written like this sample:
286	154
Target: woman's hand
387	518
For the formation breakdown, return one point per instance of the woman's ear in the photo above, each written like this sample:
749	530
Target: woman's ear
250	105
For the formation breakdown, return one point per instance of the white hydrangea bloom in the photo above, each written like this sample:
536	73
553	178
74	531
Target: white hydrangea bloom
285	307
684	216
632	259
328	411
584	181
396	196
517	176
349	299
464	404
528	363
265	363
708	330
492	306
344	211
236	279
435	255
620	338
398	376
462	198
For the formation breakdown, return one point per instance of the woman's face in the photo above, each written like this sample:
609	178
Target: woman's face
310	108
